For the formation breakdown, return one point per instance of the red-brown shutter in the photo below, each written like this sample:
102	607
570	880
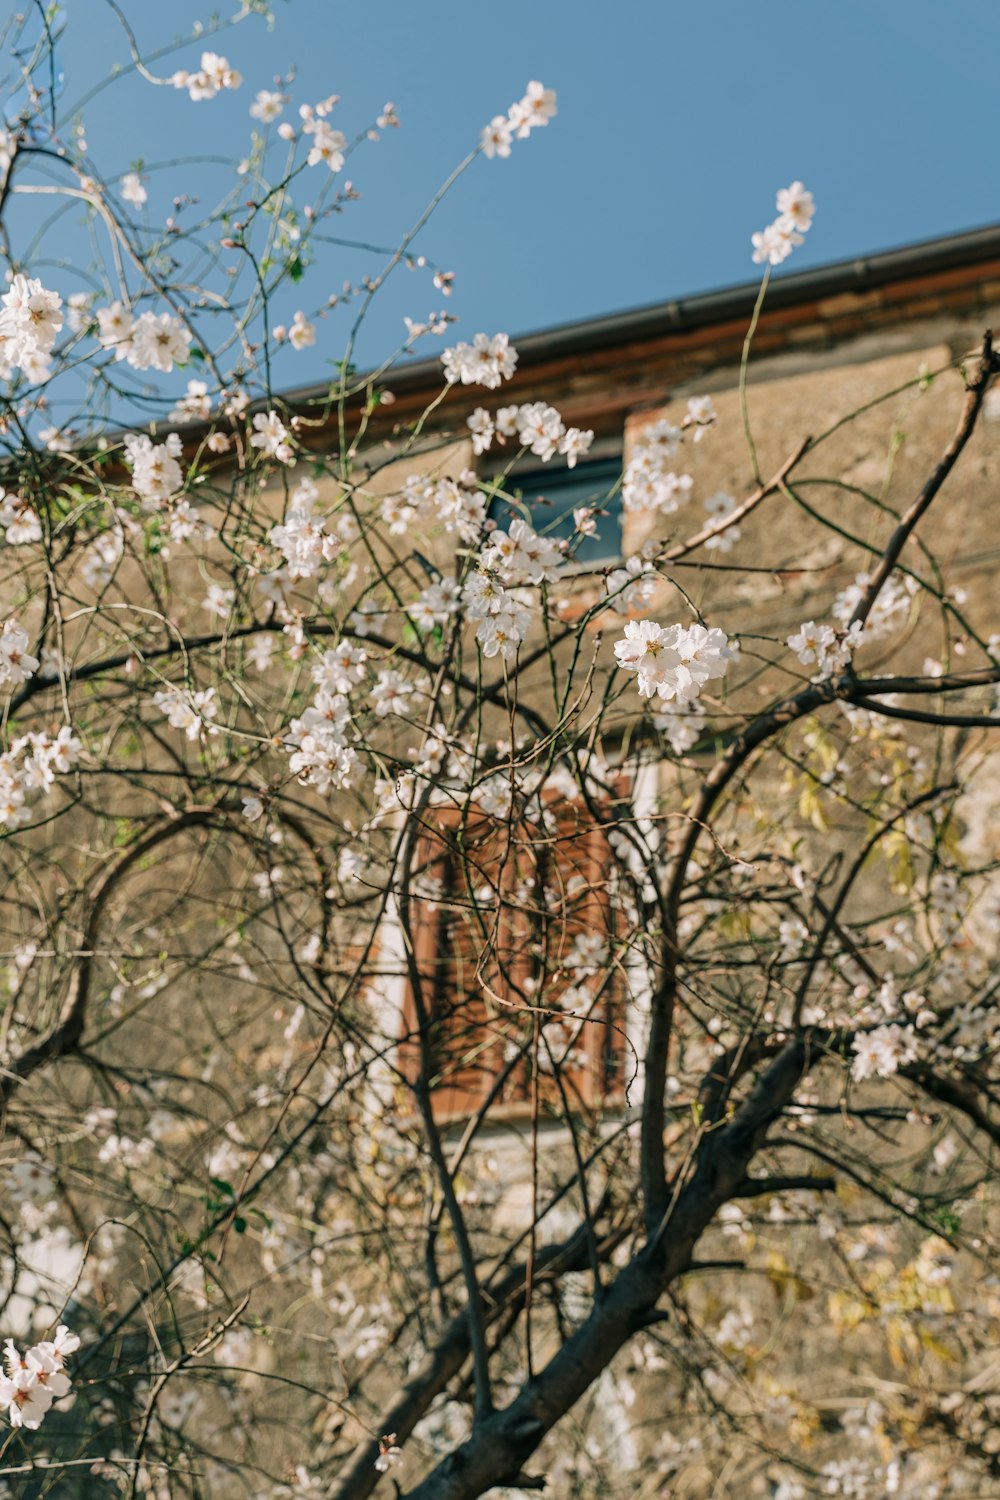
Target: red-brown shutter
478	948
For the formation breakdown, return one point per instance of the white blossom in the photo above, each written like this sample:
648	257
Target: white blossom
882	1051
30	319
133	190
271	437
156	473
672	661
267	106
214	75
486	361
302	333
16	662
192	711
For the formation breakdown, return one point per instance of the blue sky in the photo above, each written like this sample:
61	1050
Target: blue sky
676	124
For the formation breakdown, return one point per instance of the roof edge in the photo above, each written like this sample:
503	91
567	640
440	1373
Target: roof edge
859	273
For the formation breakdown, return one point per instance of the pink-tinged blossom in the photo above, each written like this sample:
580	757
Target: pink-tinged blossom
889	612
700	415
302	537
506	422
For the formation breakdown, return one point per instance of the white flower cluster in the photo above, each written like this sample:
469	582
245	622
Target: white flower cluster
519	555
16	662
890	610
632	585
510	560
212	77
854	1479
101	559
19	520
537	427
271	437
681	724
31	765
435	604
795	214
147	342
649	483
194	405
267	106
505	621
457	505
302	538
301	334
536	108
327	144
883	1051
190	710
673	661
829	650
486	361
720	506
320	755
30	318
36	1378
156	474
132	189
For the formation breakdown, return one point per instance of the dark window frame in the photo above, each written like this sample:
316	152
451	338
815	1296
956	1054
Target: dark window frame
593	477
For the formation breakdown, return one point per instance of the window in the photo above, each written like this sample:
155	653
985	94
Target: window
551	495
512	941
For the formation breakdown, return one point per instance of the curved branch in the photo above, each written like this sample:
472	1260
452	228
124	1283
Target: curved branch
64	1036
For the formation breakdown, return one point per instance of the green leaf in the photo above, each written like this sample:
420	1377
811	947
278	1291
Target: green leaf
296	269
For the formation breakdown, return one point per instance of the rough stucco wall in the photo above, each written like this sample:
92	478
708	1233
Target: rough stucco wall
888	451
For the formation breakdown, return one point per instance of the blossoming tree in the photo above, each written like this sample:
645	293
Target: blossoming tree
454	994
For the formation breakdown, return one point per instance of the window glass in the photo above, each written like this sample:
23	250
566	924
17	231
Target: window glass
551	495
